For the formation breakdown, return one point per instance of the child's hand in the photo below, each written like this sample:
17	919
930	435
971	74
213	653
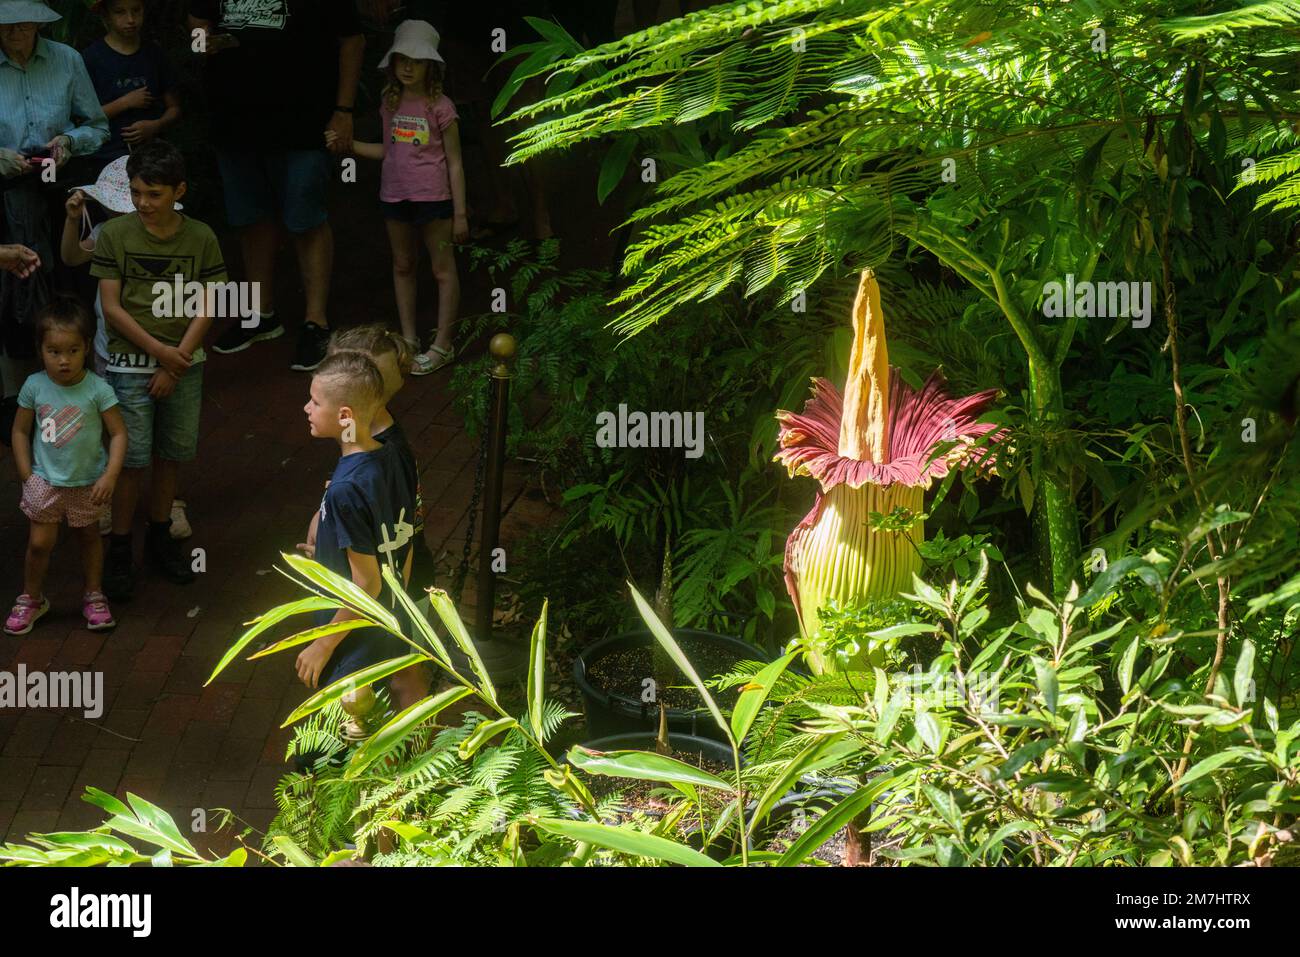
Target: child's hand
308	547
162	385
331	139
75	206
140	132
173	360
312	662
102	491
460	228
138	99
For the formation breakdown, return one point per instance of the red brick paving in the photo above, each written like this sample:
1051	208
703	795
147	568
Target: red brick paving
163	735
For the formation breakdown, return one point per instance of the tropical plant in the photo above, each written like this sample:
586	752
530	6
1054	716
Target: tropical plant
873	449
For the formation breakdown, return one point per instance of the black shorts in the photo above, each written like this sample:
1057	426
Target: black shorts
419	214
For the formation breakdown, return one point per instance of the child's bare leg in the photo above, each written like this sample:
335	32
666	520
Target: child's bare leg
437	237
40	545
409	685
406	259
125	496
162	491
92	557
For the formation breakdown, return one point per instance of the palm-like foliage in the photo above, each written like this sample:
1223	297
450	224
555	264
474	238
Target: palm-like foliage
1011	142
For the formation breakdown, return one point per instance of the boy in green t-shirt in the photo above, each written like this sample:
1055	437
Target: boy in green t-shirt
155	353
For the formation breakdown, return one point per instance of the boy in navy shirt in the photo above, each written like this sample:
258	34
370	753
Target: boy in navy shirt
366	520
132	80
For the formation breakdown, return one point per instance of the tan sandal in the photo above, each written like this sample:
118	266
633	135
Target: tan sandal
431	361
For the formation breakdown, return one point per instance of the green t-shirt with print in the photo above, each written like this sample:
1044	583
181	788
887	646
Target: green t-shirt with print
144	264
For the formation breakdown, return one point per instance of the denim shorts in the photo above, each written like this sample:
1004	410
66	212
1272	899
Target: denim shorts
288	186
417	213
167	428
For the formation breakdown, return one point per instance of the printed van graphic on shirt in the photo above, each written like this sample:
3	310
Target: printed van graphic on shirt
65	422
254	14
410	130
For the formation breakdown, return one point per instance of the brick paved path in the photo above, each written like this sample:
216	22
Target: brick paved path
163	735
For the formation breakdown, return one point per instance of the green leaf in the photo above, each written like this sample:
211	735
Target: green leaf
446	610
159	821
352	682
644	766
396	730
1126	662
294	854
820	748
829	824
1088	164
946	806
1047	682
615	165
1103	584
418	616
626	841
994	840
754	694
1212	763
310	635
679	658
537	673
484	733
1243	673
1022	756
928	729
344	590
270	620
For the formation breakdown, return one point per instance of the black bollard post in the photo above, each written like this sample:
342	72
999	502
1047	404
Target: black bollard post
503	351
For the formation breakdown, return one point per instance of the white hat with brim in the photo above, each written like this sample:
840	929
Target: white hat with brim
26	11
416	39
113	188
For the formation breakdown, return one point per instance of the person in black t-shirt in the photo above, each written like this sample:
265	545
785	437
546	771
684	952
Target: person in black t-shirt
279	74
391	354
132	79
366	518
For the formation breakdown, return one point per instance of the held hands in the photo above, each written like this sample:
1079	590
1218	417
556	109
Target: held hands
140	132
138	99
162	385
174	361
312	662
13	164
341	127
60	148
101	493
19	260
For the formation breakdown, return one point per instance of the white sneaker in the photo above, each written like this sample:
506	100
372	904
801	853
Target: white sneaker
180	529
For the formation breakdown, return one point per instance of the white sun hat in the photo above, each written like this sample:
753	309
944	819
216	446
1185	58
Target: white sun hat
416	39
26	11
113	188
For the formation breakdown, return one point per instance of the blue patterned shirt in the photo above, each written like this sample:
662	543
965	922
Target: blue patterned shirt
51	95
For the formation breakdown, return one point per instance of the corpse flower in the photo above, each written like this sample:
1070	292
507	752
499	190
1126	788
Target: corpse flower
872	449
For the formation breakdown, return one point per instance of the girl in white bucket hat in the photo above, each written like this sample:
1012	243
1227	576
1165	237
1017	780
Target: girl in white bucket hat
422	190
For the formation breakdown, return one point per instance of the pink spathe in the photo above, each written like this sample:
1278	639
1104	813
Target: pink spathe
415	161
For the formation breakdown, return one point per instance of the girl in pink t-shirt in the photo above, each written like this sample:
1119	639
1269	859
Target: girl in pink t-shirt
423	182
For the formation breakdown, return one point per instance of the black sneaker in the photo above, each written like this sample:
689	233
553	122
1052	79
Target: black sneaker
237	338
312	343
119	569
166	557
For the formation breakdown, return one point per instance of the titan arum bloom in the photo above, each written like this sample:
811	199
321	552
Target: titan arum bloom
872	450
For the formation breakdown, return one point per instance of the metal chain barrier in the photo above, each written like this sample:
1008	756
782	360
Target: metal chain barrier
479	472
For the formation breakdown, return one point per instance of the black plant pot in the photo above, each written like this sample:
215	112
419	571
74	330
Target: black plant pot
611	712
